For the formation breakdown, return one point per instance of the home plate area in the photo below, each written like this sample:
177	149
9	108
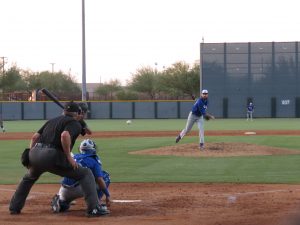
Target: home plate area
167	204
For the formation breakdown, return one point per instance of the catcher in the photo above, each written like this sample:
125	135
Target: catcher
198	114
70	188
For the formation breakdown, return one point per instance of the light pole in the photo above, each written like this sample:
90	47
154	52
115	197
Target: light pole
83	55
201	64
155	67
52	67
3	63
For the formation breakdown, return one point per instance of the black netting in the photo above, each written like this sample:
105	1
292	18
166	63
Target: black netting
261	70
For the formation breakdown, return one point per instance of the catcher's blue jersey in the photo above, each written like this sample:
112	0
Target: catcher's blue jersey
200	106
92	162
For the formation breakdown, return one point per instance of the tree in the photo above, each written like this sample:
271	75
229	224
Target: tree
145	81
12	80
58	83
180	80
127	95
107	90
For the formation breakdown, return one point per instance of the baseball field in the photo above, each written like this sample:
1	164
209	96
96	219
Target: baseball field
249	173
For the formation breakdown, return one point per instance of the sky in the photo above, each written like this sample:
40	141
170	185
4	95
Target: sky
125	35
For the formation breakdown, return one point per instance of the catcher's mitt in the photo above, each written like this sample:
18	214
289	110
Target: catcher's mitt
25	158
85	130
209	116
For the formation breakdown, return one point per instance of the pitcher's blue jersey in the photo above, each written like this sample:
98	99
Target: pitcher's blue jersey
200	106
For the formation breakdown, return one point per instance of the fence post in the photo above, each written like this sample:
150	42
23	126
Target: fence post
297	107
273	107
225	107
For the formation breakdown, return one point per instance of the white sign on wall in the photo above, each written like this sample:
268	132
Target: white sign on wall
285	102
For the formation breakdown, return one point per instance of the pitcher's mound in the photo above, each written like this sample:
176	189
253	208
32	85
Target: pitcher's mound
217	150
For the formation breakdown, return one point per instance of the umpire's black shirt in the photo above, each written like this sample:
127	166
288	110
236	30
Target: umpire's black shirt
50	132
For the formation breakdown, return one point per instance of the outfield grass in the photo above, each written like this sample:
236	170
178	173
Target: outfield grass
165	124
125	167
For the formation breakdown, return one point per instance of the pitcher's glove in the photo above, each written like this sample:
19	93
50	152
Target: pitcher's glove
25	158
209	116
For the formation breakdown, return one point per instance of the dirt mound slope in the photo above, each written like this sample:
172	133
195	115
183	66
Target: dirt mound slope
221	149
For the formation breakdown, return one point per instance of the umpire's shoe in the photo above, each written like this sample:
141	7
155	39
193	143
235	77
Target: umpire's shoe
98	211
14	212
55	206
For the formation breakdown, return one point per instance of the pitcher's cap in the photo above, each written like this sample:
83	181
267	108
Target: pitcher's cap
204	91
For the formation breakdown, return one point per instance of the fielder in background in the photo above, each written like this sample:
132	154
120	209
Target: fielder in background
70	188
250	110
1	119
2	126
197	115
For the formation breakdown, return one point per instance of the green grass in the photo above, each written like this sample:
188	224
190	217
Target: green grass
165	124
125	167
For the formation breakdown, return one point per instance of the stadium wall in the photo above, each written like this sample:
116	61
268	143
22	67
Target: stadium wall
220	107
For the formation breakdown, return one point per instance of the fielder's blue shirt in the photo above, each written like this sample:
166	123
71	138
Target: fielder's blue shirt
250	108
200	106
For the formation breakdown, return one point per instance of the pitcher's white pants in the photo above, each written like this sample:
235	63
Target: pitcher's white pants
189	125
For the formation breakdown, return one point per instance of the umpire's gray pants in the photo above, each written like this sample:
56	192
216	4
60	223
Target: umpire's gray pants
191	120
53	161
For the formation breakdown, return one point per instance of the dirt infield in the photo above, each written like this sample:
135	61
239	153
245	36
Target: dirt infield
166	204
113	134
172	203
217	150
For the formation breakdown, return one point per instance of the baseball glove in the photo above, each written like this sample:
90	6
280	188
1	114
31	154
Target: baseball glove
85	130
209	116
25	158
83	126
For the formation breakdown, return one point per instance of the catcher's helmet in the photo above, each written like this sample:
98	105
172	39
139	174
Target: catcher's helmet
87	146
84	107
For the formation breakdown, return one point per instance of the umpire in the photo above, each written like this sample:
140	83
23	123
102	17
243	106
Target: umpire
50	151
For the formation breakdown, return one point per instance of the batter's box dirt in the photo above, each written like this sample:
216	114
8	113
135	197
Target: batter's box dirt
222	149
167	204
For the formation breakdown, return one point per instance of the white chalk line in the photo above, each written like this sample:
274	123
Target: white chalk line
126	201
252	193
211	195
31	195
